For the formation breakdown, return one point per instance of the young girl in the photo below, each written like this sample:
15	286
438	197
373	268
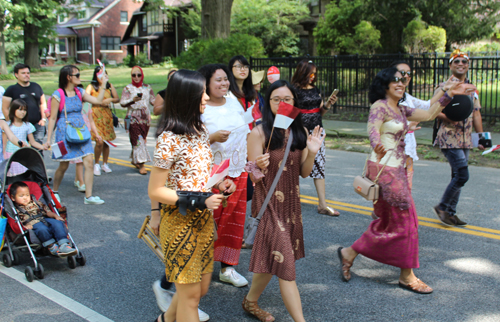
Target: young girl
178	180
23	130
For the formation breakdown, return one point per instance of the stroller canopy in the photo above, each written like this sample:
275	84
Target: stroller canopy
31	159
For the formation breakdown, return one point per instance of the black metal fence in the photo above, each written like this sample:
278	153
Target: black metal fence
352	75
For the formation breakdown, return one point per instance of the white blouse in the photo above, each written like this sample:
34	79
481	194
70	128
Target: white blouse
410	141
228	117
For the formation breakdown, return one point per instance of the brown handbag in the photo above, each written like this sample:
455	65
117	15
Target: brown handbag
370	190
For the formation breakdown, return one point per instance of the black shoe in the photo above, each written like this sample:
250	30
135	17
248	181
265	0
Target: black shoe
443	216
457	221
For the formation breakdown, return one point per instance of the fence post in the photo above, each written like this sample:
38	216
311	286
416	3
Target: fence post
357	69
251	62
335	85
290	68
412	67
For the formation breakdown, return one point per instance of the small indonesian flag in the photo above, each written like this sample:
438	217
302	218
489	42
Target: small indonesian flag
219	172
59	149
273	74
285	116
493	148
102	71
110	144
257	115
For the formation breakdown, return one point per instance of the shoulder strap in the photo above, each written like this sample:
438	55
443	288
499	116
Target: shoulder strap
77	91
277	178
386	161
62	100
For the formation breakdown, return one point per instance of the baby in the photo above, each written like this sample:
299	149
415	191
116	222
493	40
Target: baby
47	226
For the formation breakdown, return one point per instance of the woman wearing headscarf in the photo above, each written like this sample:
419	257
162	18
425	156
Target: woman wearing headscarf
103	119
137	97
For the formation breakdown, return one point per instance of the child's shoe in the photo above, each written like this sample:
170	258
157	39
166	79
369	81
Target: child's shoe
80	188
106	168
65	250
53	249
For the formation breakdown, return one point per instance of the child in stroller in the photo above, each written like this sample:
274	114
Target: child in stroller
48	226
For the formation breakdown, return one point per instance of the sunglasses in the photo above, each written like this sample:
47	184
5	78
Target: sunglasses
312	75
463	61
409	73
77	75
403	80
136	75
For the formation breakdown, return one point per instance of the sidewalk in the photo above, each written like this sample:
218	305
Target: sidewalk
424	135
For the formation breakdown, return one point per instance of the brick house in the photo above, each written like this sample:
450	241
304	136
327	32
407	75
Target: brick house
154	33
94	31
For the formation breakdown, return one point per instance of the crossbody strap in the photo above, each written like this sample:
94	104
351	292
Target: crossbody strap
277	178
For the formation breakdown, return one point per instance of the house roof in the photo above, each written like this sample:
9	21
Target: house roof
177	3
102	5
65	31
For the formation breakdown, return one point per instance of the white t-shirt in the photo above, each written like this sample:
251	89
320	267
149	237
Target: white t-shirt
228	117
410	141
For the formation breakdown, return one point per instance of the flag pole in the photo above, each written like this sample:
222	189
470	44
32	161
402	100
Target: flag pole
270	137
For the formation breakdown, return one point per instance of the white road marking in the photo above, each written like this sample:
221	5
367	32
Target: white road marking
55	296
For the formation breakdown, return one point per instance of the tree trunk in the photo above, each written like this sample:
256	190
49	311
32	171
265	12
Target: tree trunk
31	55
3	58
215	18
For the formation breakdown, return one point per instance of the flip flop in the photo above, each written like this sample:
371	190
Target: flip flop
329	211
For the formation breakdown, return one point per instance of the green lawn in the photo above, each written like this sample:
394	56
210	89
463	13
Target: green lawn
119	77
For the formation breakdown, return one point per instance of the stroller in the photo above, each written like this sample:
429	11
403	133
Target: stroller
16	238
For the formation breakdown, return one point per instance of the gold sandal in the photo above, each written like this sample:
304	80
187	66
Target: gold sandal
345	266
254	309
329	211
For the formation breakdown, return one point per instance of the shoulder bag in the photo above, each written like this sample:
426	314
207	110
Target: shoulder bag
252	229
75	135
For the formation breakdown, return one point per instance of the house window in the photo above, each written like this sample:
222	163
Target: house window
154	17
62	45
82	43
315	9
110	43
82	14
123	16
145	23
62	18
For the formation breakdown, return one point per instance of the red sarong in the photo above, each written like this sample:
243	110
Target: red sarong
230	224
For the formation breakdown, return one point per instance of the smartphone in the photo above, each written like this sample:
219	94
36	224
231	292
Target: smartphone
139	94
335	92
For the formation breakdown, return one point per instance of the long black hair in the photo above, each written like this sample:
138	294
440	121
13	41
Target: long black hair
277	140
64	73
209	70
380	84
249	92
181	112
95	82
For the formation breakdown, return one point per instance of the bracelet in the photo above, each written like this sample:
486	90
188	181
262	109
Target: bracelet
155	209
442	88
191	200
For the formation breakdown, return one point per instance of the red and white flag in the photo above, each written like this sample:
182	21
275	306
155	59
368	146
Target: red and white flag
493	148
219	172
285	116
59	149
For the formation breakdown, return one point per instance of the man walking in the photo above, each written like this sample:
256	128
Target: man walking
32	94
455	141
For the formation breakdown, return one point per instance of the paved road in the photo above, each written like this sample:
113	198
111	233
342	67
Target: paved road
462	265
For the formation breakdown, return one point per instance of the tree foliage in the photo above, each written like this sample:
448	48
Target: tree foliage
418	38
276	22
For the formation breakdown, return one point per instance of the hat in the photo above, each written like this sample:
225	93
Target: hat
257	77
459	108
457	53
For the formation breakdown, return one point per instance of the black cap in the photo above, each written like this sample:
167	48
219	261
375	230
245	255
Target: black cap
459	108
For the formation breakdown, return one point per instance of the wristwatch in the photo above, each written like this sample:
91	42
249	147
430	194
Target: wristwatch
20	143
44	119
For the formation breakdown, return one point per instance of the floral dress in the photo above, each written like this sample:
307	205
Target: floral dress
75	117
103	118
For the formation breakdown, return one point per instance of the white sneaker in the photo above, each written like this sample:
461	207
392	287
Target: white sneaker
106	168
233	277
56	194
97	169
93	201
81	188
163	296
203	316
76	183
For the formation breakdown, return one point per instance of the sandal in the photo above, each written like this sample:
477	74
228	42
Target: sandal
162	316
143	170
254	309
136	165
328	211
374	217
417	286
345	266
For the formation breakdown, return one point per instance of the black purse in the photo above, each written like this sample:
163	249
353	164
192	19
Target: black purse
115	118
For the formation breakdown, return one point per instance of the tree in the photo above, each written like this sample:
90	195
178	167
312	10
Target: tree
3	22
215	18
420	39
276	22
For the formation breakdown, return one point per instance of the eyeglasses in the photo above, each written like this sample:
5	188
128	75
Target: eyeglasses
136	75
403	80
241	67
277	100
77	75
403	72
463	61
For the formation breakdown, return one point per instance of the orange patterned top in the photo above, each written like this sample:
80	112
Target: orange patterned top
188	157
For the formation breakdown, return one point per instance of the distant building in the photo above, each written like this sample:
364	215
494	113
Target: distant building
154	33
317	9
94	31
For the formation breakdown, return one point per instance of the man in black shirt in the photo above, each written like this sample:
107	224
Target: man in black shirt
32	94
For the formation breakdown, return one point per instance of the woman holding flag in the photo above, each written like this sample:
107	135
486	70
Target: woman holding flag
224	120
279	238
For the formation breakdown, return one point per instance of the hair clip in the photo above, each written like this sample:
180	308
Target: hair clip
310	62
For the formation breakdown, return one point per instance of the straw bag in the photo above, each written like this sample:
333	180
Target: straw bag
370	190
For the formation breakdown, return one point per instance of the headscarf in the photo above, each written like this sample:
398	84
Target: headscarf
137	84
457	53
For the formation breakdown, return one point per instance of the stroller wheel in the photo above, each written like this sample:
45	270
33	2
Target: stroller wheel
39	273
15	261
28	272
71	262
80	258
7	261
